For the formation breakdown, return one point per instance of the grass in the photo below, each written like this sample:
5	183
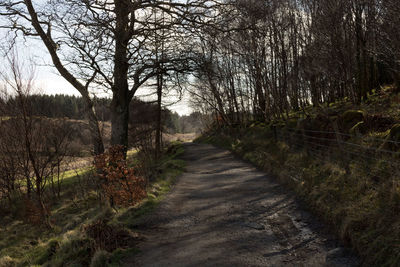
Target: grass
31	245
66	244
364	214
71	177
361	203
171	168
4	118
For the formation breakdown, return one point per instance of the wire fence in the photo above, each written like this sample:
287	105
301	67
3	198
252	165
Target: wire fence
369	156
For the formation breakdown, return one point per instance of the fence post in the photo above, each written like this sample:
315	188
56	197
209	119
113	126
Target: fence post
339	142
303	142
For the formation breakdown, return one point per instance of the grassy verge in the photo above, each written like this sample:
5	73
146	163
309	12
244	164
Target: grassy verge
67	243
23	244
363	208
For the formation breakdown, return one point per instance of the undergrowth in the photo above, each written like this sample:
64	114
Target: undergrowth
85	233
364	213
360	201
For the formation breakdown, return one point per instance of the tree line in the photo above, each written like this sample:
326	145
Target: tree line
58	106
72	107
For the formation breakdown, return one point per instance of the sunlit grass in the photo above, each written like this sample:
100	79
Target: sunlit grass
4	118
66	244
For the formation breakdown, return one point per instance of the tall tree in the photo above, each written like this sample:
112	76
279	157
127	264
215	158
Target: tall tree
108	44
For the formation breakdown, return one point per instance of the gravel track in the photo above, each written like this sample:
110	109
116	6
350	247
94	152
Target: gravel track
225	212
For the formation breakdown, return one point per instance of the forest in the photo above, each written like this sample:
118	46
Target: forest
72	107
287	55
308	91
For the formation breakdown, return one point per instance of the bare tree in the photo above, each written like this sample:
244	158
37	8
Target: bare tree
31	147
271	57
108	44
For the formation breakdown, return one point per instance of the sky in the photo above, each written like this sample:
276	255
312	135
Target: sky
50	82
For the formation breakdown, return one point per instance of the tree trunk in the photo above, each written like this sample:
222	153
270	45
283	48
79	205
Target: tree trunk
121	97
97	139
119	123
98	146
217	96
159	109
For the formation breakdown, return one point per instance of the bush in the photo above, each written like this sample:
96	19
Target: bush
110	237
119	183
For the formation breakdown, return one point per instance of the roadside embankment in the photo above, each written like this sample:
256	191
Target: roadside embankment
350	179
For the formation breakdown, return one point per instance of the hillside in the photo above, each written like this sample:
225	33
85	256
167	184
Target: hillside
343	160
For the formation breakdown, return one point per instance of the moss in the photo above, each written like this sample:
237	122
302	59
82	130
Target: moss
394	133
359	128
392	138
350	118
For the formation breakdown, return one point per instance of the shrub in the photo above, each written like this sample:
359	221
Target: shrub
119	183
33	212
110	237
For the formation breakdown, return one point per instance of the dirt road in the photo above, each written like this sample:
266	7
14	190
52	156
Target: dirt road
224	212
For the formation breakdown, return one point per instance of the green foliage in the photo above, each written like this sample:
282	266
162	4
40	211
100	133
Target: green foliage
51	249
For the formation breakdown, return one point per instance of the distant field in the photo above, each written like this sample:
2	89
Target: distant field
188	137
